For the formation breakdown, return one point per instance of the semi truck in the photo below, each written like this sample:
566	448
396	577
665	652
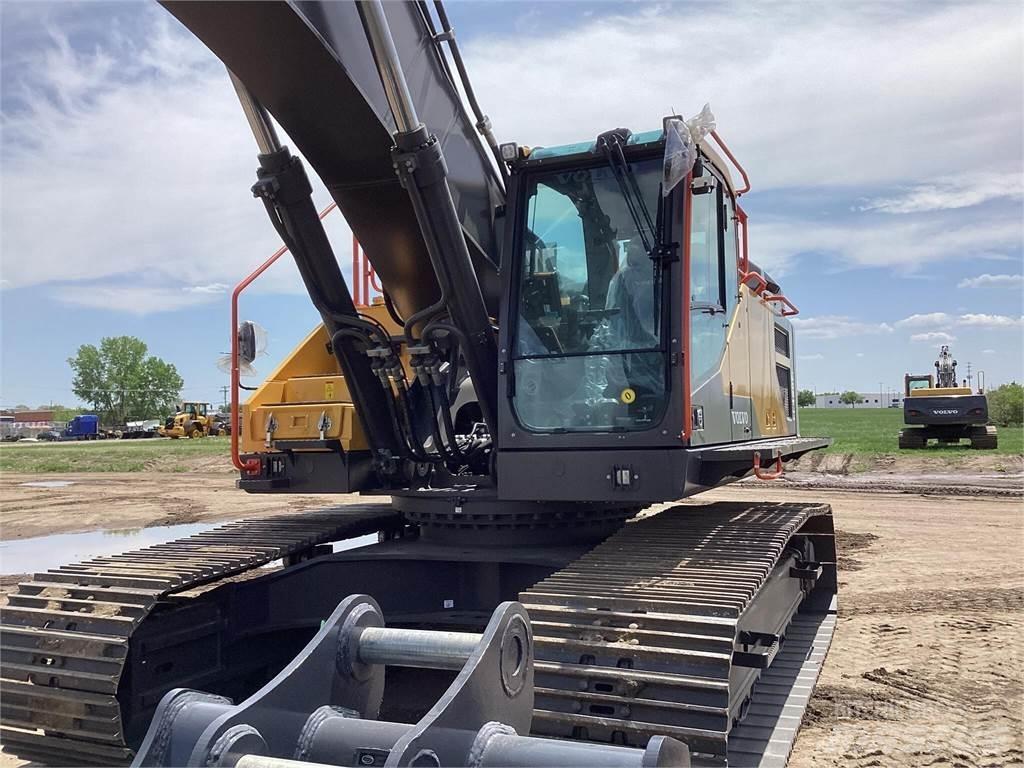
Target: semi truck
83	427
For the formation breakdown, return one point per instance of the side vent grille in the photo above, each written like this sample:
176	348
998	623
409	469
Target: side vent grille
786	385
781	341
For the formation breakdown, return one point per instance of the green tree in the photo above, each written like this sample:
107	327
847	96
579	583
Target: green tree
805	398
1006	404
122	382
849	398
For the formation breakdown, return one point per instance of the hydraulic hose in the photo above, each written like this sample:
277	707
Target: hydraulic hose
448	449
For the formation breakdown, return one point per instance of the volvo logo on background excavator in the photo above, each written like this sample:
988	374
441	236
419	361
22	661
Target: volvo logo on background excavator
628	327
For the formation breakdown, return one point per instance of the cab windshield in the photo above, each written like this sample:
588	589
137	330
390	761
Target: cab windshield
588	346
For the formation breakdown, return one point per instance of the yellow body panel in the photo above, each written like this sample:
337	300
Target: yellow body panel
939	391
750	357
306	385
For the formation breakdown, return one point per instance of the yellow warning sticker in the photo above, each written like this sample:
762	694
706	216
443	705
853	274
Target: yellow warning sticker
627	396
329	390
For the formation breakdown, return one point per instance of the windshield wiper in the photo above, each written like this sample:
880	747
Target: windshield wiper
652	234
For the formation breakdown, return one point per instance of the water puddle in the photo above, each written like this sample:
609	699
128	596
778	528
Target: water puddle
42	553
48	484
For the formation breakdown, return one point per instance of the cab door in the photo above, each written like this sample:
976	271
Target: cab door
737	362
709	314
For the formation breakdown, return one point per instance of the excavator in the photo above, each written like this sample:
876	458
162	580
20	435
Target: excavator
939	408
572	343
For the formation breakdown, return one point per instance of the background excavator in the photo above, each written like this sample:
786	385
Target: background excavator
939	408
568	337
192	420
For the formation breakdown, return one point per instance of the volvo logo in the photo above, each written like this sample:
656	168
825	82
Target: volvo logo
946	411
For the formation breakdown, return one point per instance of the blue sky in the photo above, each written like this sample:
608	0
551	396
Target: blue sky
884	142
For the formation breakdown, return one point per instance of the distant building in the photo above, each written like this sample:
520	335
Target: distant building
31	423
867	400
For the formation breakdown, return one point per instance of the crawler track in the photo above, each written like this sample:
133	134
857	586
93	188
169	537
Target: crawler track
65	634
641	636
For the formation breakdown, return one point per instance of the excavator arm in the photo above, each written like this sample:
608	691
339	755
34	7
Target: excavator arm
419	192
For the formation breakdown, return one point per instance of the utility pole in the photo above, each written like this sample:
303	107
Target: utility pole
224	395
969	377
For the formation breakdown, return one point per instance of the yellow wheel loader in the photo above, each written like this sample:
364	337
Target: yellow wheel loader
191	421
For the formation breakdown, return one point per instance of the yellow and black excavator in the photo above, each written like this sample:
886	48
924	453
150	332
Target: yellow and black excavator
941	408
569	338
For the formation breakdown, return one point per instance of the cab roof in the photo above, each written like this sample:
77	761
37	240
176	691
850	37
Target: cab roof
636	139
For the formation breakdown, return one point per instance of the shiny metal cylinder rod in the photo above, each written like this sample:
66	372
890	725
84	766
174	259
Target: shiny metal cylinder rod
417	648
259	120
390	66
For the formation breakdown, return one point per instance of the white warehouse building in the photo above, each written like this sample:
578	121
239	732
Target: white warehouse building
885	399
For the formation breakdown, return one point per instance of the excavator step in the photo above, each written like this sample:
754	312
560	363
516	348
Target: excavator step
650	632
65	634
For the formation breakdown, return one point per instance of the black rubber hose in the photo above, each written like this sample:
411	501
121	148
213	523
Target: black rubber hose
405	403
449	427
451	454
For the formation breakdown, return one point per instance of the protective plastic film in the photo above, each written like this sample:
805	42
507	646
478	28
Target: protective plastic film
681	137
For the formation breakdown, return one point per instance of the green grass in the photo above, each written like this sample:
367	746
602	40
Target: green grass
109	455
865	432
873	431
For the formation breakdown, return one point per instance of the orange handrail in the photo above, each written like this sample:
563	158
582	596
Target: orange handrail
783	300
735	162
251	466
741	220
364	277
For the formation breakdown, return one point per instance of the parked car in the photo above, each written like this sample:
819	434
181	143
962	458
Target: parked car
49	435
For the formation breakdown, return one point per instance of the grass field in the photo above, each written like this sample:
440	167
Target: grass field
865	432
110	455
873	431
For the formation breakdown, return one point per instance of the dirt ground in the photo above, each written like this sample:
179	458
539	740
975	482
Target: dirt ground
927	665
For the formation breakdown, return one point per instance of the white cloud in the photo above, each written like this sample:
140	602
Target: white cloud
149	134
949	193
990	321
796	93
860	354
133	300
815	356
987	279
940	320
900	243
210	288
988	351
931	319
933	336
836	326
